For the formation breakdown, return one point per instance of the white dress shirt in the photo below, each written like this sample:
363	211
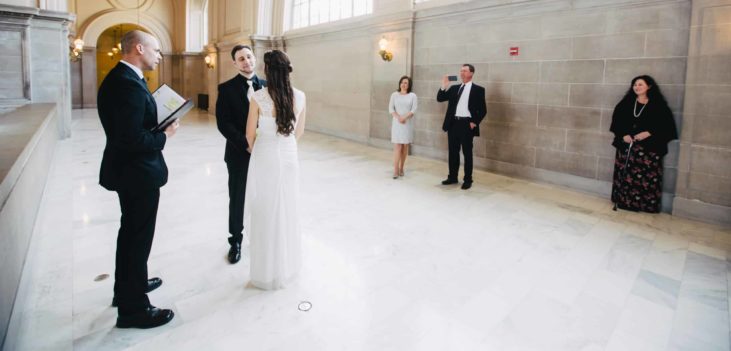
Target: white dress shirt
134	68
463	104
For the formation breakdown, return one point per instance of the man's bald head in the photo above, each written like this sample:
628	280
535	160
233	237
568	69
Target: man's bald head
141	49
132	38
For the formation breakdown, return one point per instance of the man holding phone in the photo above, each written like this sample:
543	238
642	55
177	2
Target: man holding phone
465	111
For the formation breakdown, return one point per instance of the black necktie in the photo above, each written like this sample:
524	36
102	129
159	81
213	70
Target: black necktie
459	93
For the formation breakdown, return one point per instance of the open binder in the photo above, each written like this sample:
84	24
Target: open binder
170	107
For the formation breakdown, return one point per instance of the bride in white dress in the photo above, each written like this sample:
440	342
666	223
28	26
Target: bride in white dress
271	213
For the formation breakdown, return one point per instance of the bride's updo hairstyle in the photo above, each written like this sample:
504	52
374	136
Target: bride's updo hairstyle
277	68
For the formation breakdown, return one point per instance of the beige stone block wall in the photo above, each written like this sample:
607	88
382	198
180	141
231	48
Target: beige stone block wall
549	108
11	58
703	187
335	71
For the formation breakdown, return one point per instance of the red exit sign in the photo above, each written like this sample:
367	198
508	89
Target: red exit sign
514	51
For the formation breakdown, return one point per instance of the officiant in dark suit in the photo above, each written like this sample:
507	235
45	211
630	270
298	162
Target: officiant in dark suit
133	166
232	110
465	111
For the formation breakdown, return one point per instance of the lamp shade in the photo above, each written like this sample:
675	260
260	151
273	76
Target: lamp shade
383	43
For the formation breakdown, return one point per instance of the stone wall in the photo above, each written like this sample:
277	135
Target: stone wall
186	74
34	64
549	108
704	178
337	82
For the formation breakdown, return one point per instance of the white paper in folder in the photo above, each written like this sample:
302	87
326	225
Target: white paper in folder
170	106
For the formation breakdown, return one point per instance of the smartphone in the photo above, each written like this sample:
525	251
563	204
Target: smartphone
452	78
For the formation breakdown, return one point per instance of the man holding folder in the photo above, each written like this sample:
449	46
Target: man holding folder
133	166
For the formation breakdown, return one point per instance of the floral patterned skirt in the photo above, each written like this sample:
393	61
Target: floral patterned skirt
639	186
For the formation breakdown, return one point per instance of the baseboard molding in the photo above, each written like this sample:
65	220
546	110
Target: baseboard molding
702	211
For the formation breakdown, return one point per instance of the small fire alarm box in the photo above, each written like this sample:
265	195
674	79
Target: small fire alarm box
514	51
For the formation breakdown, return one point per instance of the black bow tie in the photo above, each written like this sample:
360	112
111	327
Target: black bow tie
254	83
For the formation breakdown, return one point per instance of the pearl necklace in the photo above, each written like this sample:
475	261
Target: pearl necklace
634	111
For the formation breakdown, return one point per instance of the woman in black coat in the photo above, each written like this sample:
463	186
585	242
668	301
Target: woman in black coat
643	125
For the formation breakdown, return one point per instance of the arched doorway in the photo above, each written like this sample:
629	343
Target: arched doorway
108	54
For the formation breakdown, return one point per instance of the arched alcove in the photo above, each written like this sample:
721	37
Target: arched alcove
94	27
108	53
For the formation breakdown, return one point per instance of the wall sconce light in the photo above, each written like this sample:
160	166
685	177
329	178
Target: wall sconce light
209	61
385	54
76	50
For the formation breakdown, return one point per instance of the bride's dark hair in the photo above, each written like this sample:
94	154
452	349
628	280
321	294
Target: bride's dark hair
277	68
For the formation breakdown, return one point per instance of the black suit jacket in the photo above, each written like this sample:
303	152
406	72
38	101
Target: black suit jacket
476	105
133	154
232	112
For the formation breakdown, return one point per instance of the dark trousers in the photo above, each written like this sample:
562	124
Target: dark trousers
460	136
134	241
237	173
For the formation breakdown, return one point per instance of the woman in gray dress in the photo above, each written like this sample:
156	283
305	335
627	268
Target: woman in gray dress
402	107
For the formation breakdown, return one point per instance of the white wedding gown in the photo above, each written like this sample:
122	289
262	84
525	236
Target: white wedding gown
271	213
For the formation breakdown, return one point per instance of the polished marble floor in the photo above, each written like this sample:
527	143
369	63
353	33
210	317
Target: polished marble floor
389	264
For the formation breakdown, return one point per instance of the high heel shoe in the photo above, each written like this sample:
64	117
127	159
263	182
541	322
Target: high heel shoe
401	174
395	176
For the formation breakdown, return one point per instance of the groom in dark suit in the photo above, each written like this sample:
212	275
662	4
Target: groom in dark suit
134	167
465	111
232	110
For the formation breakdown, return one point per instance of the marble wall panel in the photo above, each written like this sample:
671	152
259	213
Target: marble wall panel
549	138
565	162
703	186
11	63
576	71
553	94
610	46
555	99
664	70
569	117
511	153
590	143
667	43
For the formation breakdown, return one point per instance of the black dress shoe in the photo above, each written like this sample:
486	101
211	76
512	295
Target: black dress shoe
234	253
466	185
151	317
449	181
152	284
